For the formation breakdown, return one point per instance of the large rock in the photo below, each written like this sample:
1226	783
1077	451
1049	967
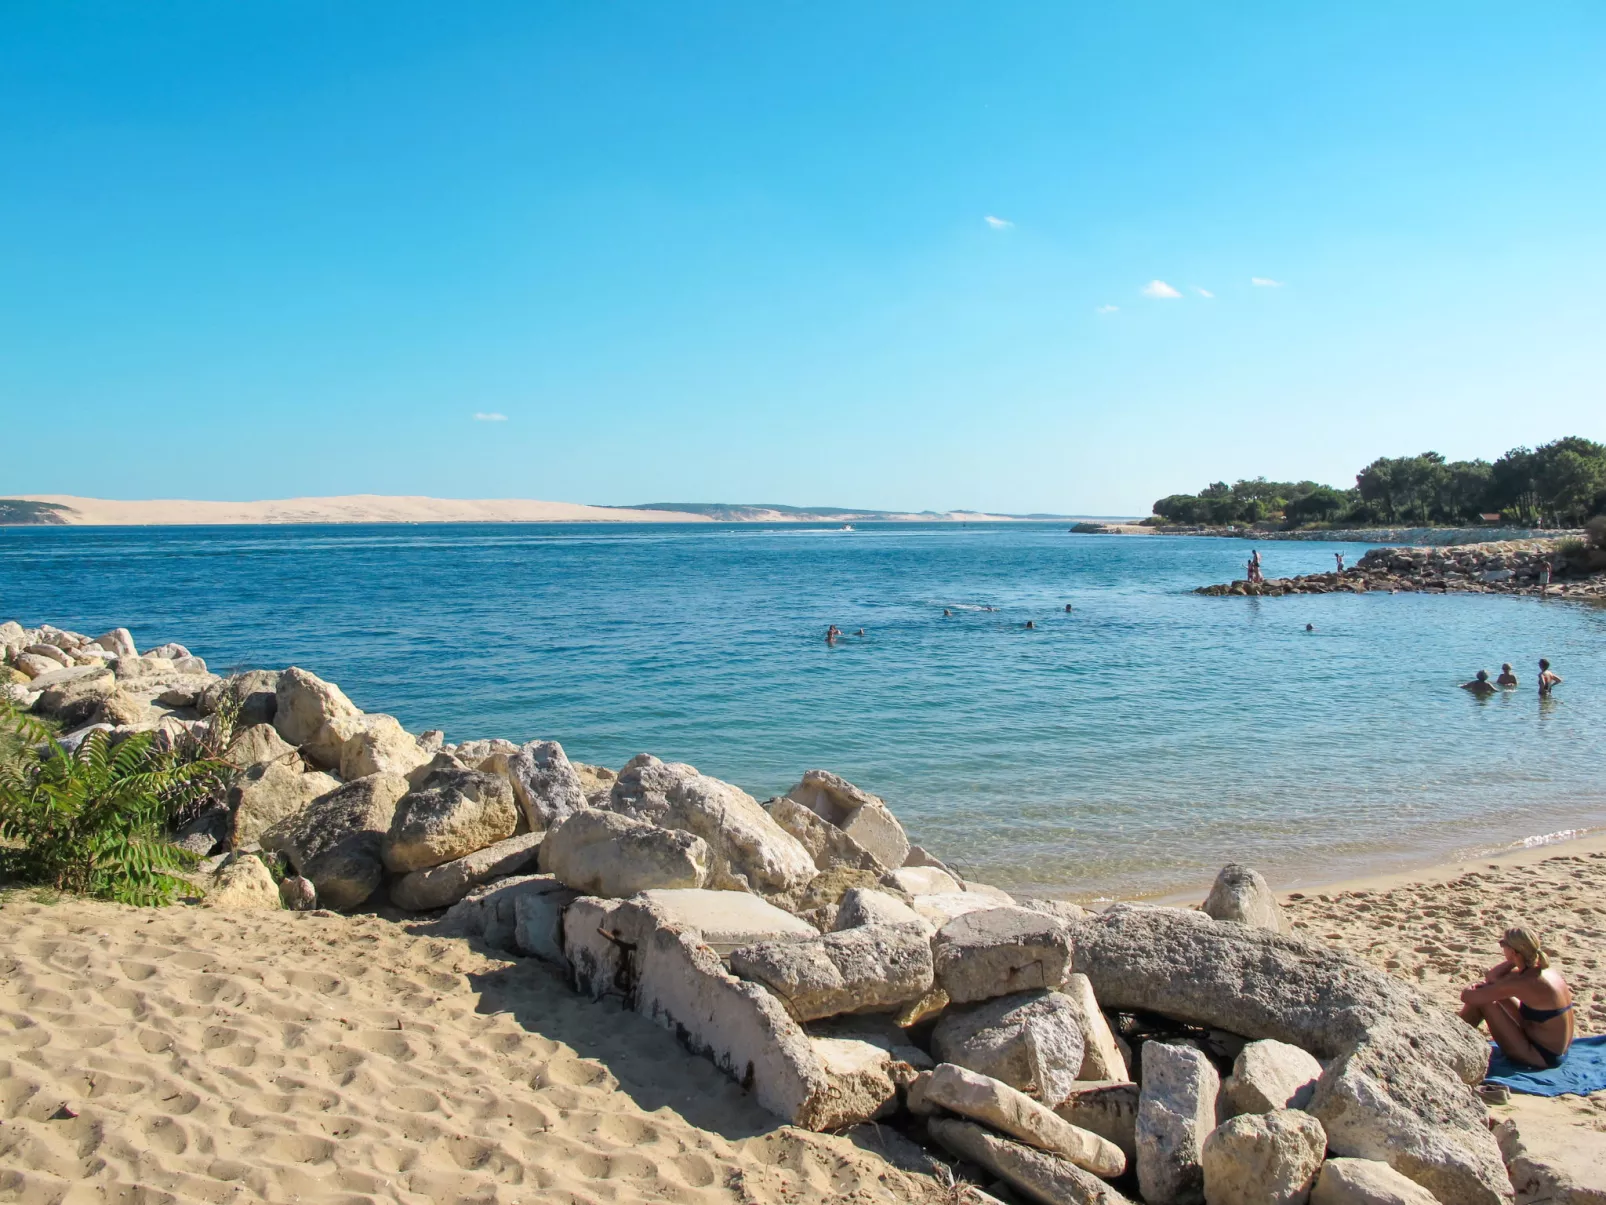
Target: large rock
1263	1159
538	919
724	921
945	906
73	696
1037	1175
680	984
442	886
545	783
1176	1111
924	880
869	969
1108	1108
1241	894
1384	1101
256	692
33	665
304	703
1366	1182
268	793
859	814
336	839
1260	984
118	642
243	885
1030	1041
490	913
298	894
259	743
325	747
1269	1075
50	653
454	813
382	746
998	952
984	1099
1102	1058
605	854
828	845
748	851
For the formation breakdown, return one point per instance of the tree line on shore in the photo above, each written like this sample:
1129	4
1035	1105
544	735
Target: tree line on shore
1560	484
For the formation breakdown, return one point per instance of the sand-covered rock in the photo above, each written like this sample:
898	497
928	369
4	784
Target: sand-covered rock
336	839
606	854
1029	1041
304	703
442	886
1037	1175
748	851
859	814
1366	1182
1000	951
242	885
874	967
547	786
994	1103
1242	894
1263	1159
1176	1112
454	813
1269	1075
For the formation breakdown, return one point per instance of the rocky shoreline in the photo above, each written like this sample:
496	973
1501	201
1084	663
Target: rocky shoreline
1500	567
838	972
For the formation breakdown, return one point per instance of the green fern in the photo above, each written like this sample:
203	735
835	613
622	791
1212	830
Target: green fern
93	822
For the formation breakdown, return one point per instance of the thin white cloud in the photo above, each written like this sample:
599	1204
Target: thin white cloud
1203	292
491	417
1105	309
1265	282
1159	288
998	223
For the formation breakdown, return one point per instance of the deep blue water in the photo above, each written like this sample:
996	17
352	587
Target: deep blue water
1132	745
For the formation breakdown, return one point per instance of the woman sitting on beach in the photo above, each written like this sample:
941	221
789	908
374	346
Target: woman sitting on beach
1526	1002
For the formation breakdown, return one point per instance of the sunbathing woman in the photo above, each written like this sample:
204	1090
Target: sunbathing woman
1526	1002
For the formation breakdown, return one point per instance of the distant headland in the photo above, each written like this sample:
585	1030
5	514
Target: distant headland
67	510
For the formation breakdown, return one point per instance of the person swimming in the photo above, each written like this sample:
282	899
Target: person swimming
1525	1002
1310	627
831	633
1031	624
947	614
1547	680
1480	684
1067	608
1507	679
860	632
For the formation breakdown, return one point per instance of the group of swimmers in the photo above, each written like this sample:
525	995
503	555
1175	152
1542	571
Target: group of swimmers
1508	680
834	633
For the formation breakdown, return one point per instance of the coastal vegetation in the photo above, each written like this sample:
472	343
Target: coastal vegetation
15	512
1559	484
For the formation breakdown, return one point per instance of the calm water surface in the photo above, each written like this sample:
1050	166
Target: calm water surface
1130	746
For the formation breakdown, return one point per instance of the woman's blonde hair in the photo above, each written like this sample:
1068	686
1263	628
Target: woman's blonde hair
1526	945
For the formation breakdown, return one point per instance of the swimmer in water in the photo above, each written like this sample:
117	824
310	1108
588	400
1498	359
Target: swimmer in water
1031	624
831	633
1310	627
1547	680
1067	608
1507	679
1480	685
860	632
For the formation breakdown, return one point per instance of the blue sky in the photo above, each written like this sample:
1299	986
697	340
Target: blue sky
738	252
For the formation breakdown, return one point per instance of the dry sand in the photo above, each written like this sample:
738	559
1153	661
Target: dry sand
352	508
211	1056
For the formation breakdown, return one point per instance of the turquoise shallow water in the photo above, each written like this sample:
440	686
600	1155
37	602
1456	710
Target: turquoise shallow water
1131	746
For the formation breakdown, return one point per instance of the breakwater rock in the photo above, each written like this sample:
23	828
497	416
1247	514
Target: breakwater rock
1500	567
802	944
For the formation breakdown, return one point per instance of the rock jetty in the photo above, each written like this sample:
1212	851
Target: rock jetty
803	945
1501	567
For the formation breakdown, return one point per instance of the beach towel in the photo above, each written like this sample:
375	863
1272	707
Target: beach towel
1583	1071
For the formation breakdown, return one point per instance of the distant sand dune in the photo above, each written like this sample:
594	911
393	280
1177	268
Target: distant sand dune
351	508
186	1055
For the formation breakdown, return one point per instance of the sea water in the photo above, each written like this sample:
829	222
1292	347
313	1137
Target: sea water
1128	746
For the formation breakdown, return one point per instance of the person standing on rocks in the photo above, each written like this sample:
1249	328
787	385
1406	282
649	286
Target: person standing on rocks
1544	577
1339	557
1547	679
1526	1002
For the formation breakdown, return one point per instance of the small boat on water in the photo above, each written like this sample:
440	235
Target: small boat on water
846	527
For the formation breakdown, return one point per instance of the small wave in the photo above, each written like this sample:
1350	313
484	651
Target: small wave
1566	834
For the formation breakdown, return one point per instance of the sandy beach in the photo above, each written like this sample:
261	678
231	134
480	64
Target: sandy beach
213	1056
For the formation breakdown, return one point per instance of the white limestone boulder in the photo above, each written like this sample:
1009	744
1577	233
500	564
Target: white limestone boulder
380	746
453	814
867	906
867	969
538	920
336	839
1108	1108
859	814
1034	1174
547	786
606	854
1268	1075
724	921
1366	1182
304	703
1102	1058
1000	951
828	845
269	792
1029	1041
243	885
256	744
1263	1159
118	642
1176	1112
